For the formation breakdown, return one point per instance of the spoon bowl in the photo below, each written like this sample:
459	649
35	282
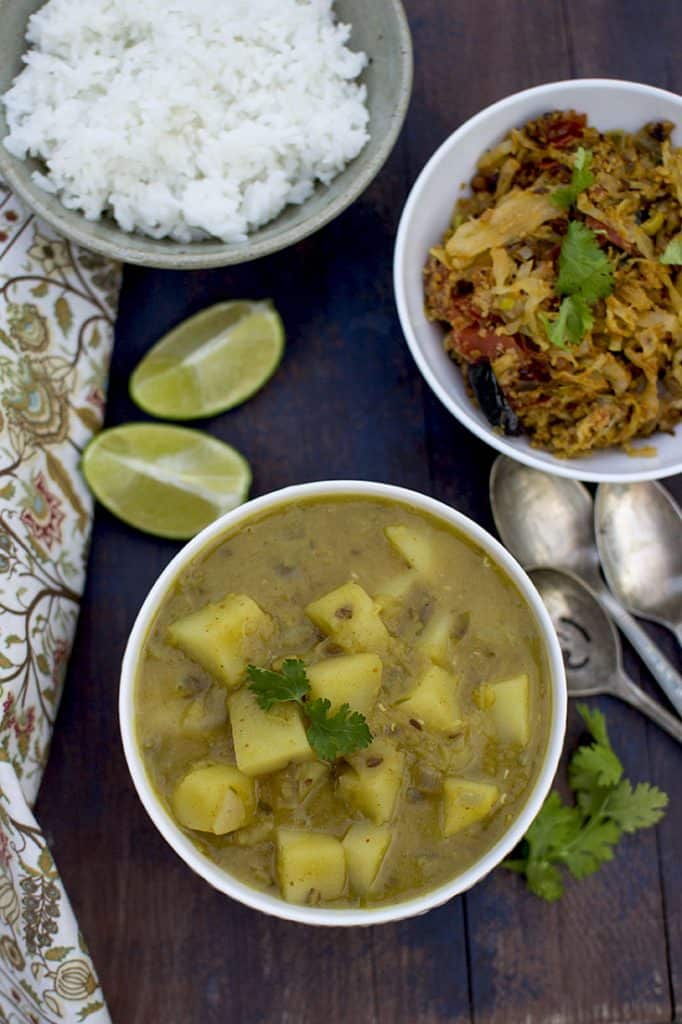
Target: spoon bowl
589	642
544	520
591	647
639	536
548	522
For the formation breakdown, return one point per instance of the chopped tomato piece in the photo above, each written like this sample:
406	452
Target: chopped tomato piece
475	344
563	131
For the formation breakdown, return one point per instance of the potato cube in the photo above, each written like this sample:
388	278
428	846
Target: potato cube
353	679
206	712
223	637
350	616
434	639
510	711
465	802
415	546
395	589
374	780
265	741
434	701
183	716
311	778
215	798
483	697
311	866
365	846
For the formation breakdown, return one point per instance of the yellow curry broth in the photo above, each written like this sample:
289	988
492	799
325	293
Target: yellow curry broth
288	558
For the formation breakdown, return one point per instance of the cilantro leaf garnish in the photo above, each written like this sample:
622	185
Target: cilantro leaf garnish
636	808
592	847
594	768
333	736
581	178
594	765
584	269
585	276
574	320
270	687
556	826
596	725
582	836
330	736
672	253
544	879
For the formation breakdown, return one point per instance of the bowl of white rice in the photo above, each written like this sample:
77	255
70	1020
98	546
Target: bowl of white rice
198	133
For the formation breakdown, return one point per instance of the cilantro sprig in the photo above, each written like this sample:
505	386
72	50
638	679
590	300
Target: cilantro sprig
582	836
333	736
584	268
574	320
330	736
291	683
581	179
585	276
585	273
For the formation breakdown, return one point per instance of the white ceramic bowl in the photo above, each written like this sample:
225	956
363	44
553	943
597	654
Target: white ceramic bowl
608	105
274	905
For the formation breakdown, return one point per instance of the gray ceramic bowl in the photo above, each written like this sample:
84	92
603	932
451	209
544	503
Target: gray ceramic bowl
379	28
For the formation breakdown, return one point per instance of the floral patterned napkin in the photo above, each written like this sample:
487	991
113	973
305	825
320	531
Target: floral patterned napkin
57	304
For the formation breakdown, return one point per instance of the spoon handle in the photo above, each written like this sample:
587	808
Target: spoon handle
631	693
667	677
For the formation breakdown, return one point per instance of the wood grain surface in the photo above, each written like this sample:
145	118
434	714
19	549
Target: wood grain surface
348	402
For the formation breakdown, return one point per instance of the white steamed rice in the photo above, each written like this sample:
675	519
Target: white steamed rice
187	118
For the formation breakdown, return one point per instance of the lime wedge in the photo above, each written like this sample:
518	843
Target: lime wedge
210	362
169	481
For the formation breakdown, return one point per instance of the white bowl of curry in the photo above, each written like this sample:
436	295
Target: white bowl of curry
343	703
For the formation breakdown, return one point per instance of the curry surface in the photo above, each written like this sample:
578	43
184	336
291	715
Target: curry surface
287	558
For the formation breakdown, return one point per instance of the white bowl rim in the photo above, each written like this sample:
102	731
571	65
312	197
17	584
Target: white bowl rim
465	417
212	252
276	906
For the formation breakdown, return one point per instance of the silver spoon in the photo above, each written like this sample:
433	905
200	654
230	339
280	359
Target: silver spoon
548	521
591	646
639	536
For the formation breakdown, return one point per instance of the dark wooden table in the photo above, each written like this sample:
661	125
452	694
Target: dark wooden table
348	402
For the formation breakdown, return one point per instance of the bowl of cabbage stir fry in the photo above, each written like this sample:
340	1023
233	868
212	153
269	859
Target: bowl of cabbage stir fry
538	277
